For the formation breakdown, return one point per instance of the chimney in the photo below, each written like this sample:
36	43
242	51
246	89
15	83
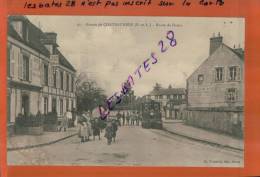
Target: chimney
49	38
239	50
215	42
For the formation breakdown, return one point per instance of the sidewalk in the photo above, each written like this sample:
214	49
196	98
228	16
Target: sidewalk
18	142
203	135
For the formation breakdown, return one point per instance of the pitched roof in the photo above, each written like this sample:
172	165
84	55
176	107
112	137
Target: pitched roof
34	35
239	52
167	91
63	61
35	40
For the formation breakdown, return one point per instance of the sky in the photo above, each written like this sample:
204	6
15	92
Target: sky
109	52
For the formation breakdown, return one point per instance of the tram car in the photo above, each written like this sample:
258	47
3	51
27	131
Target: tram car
151	115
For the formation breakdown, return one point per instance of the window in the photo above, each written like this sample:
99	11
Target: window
54	79
219	74
233	73
61	107
68	82
200	78
160	97
54	105
231	95
25	68
45	105
61	80
45	71
168	97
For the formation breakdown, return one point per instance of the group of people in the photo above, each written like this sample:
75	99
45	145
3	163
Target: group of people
88	127
129	119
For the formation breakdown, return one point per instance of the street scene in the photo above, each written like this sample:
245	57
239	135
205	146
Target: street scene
125	91
133	146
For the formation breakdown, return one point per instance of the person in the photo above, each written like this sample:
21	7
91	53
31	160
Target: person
96	128
89	129
123	117
64	122
132	118
127	118
118	118
137	118
109	132
114	129
82	133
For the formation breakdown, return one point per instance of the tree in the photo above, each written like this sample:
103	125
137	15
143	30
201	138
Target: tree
89	95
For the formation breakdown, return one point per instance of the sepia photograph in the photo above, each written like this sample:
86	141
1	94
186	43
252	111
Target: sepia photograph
125	91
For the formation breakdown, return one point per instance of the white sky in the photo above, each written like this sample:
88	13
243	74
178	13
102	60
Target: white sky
110	54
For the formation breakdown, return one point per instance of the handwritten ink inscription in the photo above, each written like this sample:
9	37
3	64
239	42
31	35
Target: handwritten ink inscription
146	66
116	3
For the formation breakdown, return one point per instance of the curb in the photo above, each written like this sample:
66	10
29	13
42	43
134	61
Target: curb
203	141
40	145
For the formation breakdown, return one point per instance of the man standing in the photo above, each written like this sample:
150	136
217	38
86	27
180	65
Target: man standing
123	117
118	118
127	118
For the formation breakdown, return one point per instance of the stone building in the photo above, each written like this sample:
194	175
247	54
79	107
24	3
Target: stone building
215	90
39	77
173	100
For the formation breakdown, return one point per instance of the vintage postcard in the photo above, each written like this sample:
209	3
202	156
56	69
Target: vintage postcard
129	88
125	91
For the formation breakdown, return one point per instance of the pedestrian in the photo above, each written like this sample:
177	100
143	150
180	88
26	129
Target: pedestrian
64	122
132	118
118	118
81	131
109	132
123	117
114	129
127	118
96	128
137	119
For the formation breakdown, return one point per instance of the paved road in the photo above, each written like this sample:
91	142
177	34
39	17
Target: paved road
134	146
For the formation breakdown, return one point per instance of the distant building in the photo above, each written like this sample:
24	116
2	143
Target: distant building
215	90
39	77
173	100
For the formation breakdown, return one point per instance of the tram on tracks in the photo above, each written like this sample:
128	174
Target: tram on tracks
151	114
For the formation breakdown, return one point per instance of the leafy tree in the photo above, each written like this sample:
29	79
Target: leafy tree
89	95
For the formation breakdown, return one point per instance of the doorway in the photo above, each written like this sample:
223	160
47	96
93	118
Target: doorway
25	105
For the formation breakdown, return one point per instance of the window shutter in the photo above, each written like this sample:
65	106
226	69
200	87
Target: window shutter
224	74
58	79
49	76
238	73
30	67
12	61
70	79
42	72
228	74
226	95
64	80
20	65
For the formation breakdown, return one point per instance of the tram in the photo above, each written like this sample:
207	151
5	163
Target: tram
151	115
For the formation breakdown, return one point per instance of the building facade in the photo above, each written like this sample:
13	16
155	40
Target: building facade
40	78
215	90
172	100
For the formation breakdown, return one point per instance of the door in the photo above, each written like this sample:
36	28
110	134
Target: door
25	105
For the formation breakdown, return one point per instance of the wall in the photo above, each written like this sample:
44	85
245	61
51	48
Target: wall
226	122
211	93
